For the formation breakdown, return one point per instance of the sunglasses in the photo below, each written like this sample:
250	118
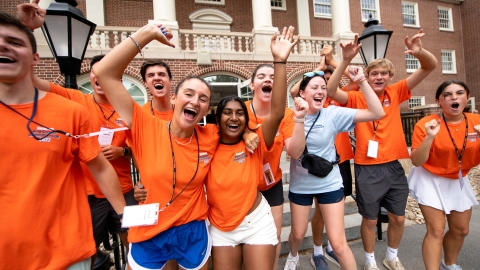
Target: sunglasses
313	73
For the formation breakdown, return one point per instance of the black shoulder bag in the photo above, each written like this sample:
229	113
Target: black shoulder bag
316	165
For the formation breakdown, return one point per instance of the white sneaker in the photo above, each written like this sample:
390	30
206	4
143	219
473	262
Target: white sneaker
394	264
292	264
443	266
370	266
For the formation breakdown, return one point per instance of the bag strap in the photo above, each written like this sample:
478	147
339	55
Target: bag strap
305	150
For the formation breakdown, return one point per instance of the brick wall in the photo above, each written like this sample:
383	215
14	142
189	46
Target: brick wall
319	27
470	11
10	6
128	12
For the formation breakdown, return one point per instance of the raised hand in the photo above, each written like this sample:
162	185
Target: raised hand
31	15
350	49
160	33
251	141
432	127
477	129
281	48
300	107
327	51
323	65
356	73
414	45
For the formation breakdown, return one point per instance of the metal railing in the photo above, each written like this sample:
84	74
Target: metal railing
408	123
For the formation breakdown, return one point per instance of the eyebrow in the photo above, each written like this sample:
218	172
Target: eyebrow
16	39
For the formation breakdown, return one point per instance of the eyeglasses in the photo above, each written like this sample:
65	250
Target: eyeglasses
313	73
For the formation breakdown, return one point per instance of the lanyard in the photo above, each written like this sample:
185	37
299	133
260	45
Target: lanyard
459	154
151	107
101	109
378	121
174	163
253	109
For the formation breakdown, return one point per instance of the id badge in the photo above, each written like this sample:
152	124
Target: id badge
268	175
460	178
372	149
105	138
140	215
300	169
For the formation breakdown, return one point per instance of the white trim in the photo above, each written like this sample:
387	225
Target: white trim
221	2
454	62
283	7
377	10
450	19
412	58
322	15
415	9
471	101
421	98
211	19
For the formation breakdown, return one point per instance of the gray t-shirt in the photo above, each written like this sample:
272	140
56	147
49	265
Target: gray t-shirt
321	142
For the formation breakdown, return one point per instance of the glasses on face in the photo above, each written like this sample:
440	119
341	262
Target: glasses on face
313	73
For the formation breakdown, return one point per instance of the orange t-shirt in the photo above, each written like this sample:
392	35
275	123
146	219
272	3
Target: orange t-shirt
389	135
151	146
443	159
284	132
45	212
99	120
167	115
232	183
342	142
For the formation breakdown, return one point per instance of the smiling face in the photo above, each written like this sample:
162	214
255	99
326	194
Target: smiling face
453	100
232	121
191	102
262	84
379	78
315	94
157	81
16	55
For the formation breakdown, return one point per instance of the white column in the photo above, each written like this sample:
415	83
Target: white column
42	46
262	25
303	18
164	14
340	17
95	12
45	3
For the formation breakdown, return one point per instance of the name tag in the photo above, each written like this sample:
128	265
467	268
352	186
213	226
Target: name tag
268	175
140	215
105	137
372	149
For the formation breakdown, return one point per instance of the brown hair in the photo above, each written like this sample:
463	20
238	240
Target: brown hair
9	20
381	63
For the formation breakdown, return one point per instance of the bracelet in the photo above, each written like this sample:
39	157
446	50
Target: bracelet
120	216
280	62
299	120
364	79
136	43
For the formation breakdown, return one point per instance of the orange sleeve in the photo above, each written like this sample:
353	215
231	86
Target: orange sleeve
87	148
72	94
419	133
288	124
402	90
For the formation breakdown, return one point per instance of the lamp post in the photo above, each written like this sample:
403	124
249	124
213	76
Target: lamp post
374	40
67	33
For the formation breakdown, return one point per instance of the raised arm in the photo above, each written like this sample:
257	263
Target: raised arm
427	60
297	141
321	67
374	109
349	51
109	71
280	50
420	155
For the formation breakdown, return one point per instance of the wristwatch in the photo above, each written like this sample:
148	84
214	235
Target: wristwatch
125	151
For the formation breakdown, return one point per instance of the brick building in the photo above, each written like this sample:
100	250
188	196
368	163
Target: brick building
223	40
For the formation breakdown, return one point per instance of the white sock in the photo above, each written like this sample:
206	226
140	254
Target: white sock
329	247
391	253
370	258
317	250
294	258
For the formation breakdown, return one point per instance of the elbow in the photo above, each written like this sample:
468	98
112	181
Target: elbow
416	162
380	115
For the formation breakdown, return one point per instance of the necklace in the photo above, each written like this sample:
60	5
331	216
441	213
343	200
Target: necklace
101	109
175	139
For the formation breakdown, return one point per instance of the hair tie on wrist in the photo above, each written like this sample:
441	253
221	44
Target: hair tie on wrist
280	62
299	120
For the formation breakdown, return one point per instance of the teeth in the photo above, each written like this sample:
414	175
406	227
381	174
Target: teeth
190	110
158	86
5	59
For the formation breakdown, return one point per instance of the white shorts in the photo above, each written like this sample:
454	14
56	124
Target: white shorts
439	192
82	265
258	228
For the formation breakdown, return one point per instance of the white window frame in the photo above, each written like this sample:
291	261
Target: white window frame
417	17
377	10
454	61
421	98
450	19
409	57
283	7
222	2
322	15
471	102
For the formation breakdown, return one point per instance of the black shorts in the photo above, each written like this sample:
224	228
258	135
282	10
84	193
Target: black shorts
381	185
274	195
104	217
346	172
322	198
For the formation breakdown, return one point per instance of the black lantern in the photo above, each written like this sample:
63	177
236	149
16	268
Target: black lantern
374	40
67	33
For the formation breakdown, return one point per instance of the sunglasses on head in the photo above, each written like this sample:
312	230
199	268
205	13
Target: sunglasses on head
313	73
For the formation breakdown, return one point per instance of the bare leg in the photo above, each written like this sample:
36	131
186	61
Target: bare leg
299	226
171	265
458	228
396	225
432	243
227	257
277	213
124	239
367	231
261	257
317	225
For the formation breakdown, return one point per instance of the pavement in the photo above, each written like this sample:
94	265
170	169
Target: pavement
410	250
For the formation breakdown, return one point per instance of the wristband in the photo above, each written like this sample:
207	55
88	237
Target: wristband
299	120
136	44
120	216
361	80
280	63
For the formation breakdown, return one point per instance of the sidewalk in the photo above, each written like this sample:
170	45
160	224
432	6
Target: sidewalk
410	250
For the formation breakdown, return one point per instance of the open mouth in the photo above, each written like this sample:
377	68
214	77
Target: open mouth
190	114
455	105
6	60
267	89
233	127
158	86
318	99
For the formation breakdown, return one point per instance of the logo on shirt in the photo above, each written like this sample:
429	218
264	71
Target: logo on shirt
119	122
42	132
472	137
386	103
203	156
239	157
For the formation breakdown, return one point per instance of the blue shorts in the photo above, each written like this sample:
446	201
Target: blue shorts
322	198
190	244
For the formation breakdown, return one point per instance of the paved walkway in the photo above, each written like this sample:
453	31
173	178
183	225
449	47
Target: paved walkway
410	251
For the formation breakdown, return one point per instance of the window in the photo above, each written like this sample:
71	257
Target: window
278	4
416	101
412	63
370	7
410	14
471	104
445	18
323	8
215	2
448	62
133	86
